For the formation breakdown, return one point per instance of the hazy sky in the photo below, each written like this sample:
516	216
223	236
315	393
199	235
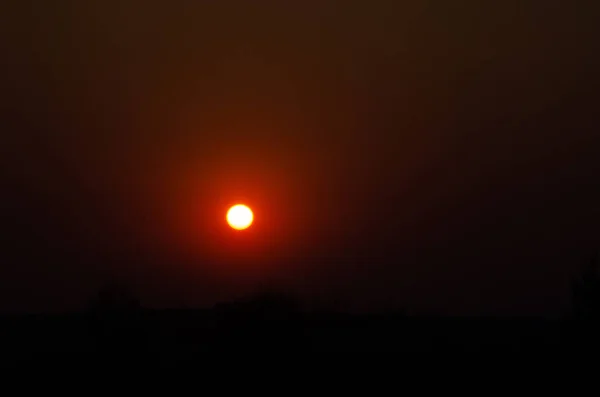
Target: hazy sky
443	155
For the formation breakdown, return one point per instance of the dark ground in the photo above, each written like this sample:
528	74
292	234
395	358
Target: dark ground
170	336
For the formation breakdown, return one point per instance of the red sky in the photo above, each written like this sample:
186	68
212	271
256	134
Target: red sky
438	155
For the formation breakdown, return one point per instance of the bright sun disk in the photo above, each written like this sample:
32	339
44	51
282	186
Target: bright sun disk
239	217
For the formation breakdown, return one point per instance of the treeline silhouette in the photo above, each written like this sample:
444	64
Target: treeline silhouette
115	322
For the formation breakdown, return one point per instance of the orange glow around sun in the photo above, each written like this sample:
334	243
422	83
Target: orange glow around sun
239	217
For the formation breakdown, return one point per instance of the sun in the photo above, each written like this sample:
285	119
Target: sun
240	217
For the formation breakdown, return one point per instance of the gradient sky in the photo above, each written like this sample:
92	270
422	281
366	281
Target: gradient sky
430	154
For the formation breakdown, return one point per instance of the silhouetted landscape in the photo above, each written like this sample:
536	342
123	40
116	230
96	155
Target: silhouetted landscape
115	323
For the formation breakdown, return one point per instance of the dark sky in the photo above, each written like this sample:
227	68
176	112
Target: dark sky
430	154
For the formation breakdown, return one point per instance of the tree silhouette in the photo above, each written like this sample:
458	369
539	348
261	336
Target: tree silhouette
114	298
586	292
115	318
